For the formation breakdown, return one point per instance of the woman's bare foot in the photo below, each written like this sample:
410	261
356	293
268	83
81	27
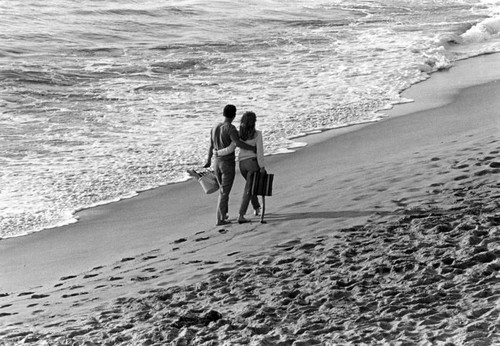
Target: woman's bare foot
241	220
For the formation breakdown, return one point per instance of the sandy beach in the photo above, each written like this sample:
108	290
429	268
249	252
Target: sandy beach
383	233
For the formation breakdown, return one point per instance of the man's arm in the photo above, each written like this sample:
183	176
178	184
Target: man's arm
226	151
236	140
210	152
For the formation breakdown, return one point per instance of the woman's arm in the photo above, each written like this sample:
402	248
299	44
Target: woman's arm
260	150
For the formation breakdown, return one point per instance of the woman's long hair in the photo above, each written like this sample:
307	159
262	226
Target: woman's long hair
247	125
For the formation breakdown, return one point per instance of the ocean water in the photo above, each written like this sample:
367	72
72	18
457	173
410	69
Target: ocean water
102	99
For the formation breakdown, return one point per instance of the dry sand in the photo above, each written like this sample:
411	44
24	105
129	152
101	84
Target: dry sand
385	234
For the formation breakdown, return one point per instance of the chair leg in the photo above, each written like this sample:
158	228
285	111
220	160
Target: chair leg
263	209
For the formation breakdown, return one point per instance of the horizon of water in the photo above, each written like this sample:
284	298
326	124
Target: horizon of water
101	100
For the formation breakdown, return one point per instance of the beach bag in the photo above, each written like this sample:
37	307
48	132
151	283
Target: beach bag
261	184
208	182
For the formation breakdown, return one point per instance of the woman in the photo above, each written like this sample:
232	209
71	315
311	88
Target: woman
249	160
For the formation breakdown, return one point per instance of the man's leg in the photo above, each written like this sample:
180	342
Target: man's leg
226	172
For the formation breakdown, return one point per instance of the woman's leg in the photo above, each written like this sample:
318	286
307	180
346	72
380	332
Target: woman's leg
255	202
246	168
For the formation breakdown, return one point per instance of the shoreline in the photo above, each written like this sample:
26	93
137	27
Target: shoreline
320	134
420	101
421	93
393	221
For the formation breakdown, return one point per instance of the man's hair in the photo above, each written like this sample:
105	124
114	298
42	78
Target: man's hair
229	111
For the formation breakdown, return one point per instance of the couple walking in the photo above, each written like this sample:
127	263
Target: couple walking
224	139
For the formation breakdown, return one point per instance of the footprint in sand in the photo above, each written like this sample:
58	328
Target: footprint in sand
39	296
307	246
115	278
443	172
361	197
144	278
288	244
223	231
74	294
127	259
64	278
53	325
202	239
147	258
88	276
436	184
482	172
25	294
233	253
180	240
400	202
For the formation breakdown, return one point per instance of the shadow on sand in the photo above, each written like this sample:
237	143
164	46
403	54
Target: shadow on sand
341	214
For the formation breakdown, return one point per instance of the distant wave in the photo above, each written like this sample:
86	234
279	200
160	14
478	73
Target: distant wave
483	31
13	51
194	45
314	23
169	66
161	11
108	51
33	77
49	77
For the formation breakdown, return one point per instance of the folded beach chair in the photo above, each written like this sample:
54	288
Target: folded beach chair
261	184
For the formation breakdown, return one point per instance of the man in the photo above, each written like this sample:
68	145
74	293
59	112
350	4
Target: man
222	136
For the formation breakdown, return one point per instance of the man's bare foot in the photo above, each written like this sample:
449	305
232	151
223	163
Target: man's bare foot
223	222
